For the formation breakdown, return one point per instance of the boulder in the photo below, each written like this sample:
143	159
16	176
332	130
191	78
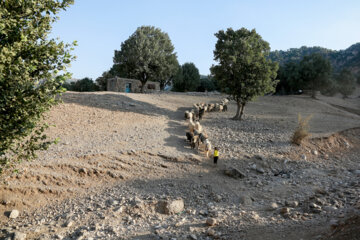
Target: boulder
245	200
19	236
234	173
170	206
14	214
273	206
211	221
292	204
285	210
211	232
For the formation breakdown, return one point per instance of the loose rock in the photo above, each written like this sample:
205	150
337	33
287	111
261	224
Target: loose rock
285	210
14	214
211	221
234	173
19	236
273	206
171	206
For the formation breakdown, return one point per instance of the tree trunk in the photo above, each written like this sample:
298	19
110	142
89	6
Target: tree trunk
239	111
142	87
313	94
143	81
242	110
236	117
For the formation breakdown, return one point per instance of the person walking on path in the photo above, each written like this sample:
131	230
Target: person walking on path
216	155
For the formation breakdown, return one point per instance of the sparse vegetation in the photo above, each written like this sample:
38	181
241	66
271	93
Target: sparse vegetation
302	130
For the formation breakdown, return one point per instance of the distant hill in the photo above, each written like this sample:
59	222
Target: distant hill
348	58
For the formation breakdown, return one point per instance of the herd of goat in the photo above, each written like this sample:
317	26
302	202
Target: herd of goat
196	135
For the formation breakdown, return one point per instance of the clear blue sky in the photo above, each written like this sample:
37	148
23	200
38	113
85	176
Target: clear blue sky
101	26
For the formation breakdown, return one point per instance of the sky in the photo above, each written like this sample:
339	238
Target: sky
100	27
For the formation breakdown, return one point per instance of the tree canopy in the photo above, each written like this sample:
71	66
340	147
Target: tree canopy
187	78
147	54
348	58
315	72
289	76
243	69
346	82
29	63
83	85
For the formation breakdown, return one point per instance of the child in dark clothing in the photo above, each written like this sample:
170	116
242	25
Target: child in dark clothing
216	155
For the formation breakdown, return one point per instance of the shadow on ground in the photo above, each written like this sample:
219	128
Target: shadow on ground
114	102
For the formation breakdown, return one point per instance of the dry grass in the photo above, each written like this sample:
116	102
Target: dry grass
302	130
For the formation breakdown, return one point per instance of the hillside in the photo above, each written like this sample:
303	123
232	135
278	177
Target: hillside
348	58
121	156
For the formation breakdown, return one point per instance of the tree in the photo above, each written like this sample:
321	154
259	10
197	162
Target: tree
243	69
332	87
289	76
207	84
346	82
29	63
177	80
191	77
187	79
147	54
83	85
315	71
169	71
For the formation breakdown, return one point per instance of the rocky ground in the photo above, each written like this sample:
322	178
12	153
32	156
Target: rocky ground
123	170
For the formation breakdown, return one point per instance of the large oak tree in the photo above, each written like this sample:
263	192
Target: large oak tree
147	54
243	70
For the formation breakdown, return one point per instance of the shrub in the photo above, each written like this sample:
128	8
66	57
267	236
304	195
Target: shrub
83	85
302	130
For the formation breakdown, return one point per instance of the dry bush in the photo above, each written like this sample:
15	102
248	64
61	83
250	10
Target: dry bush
302	130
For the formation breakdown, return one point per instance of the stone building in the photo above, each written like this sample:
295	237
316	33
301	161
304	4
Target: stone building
130	85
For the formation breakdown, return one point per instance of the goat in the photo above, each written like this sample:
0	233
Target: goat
189	136
191	125
201	113
207	147
225	108
198	127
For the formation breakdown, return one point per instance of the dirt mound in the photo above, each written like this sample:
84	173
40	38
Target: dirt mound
346	230
334	145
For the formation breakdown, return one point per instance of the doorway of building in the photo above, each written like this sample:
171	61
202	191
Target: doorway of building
128	87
